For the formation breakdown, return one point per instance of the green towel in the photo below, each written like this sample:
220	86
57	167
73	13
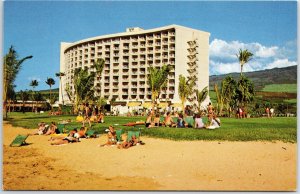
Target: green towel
19	140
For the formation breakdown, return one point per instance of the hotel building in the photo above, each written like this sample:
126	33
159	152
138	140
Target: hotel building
128	55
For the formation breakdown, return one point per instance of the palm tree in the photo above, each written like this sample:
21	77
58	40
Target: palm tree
245	90
83	85
50	81
244	56
201	96
99	65
33	84
228	92
11	68
185	88
156	79
24	95
60	75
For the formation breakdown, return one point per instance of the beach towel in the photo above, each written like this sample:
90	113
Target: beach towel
134	124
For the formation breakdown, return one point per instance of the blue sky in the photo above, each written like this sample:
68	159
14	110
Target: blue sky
268	29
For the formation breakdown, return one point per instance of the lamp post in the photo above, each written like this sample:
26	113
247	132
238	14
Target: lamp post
60	75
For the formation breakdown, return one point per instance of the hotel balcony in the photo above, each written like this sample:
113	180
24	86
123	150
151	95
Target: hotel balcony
191	56
191	64
194	59
191	70
194	52
149	37
192	42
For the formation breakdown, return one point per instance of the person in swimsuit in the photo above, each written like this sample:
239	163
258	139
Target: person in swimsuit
111	137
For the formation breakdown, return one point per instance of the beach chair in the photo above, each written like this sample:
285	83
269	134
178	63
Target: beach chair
161	119
119	134
19	141
190	121
61	128
174	119
90	133
131	133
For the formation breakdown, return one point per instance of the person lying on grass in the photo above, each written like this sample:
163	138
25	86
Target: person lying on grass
111	137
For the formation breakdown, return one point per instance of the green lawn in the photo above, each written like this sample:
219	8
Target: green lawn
290	88
292	101
254	129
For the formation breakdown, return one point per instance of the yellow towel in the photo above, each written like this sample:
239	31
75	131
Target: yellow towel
79	118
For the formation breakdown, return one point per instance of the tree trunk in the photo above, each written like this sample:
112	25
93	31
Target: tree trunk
62	96
50	100
242	65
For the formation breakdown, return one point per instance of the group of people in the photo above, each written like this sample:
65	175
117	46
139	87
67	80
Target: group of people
180	121
270	112
89	115
127	143
44	129
72	137
241	112
75	135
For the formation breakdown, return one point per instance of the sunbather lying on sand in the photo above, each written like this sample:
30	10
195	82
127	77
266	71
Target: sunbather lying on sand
81	133
127	144
63	140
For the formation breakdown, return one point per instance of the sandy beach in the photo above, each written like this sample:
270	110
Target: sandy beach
159	165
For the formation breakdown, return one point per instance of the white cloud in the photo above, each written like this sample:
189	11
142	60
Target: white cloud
266	52
280	63
223	57
223	68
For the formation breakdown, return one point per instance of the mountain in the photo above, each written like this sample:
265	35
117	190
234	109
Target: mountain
286	75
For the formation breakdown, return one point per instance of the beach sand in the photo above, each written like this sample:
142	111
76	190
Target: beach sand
159	165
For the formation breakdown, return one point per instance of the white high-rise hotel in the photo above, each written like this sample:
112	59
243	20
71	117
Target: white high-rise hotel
128	54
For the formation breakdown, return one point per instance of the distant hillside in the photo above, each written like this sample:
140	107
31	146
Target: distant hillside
54	90
286	75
